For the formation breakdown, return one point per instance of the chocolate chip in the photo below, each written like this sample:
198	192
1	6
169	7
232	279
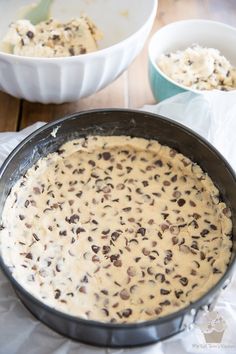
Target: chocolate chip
131	271
158	163
119	166
30	34
196	216
181	202
184	281
167	260
36	190
79	194
194	224
104	291
106	189
56	37
127	209
157	177
57	293
120	186
58	268
175	240
114	257
106	155
178	293
36	237
73	219
149	312
166	183
164	227
165	303
117	263
204	232
202	255
133	289
71	51
127	312
176	194
115	235
95	259
145	183
27	203
150	271
141	231
216	271
158	310
84	279
213	227
174	178
106	249
227	212
160	277
173	152
95	248
105	311
197	264
145	251
63	233
164	292
79	230
92	163
124	294
192	203
165	215
83	50
82	289
29	255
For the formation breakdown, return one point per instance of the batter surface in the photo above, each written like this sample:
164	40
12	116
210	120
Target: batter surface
116	229
199	68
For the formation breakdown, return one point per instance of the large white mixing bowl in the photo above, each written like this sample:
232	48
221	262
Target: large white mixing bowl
125	25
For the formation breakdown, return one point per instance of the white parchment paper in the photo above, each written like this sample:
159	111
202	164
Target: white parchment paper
214	117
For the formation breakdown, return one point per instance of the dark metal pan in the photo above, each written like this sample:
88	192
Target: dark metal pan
120	122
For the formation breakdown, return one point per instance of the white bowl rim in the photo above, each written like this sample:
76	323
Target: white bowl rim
97	53
172	24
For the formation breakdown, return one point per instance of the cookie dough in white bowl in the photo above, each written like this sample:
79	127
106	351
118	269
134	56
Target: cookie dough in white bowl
125	27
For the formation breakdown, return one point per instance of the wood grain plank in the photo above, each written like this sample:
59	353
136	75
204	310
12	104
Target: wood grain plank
111	96
175	10
139	91
9	112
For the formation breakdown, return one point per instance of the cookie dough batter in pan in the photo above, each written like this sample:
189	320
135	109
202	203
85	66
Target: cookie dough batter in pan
116	229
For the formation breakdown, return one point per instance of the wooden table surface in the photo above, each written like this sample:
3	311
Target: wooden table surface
131	89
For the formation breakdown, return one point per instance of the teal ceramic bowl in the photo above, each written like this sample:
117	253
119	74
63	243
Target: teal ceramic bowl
161	86
178	36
